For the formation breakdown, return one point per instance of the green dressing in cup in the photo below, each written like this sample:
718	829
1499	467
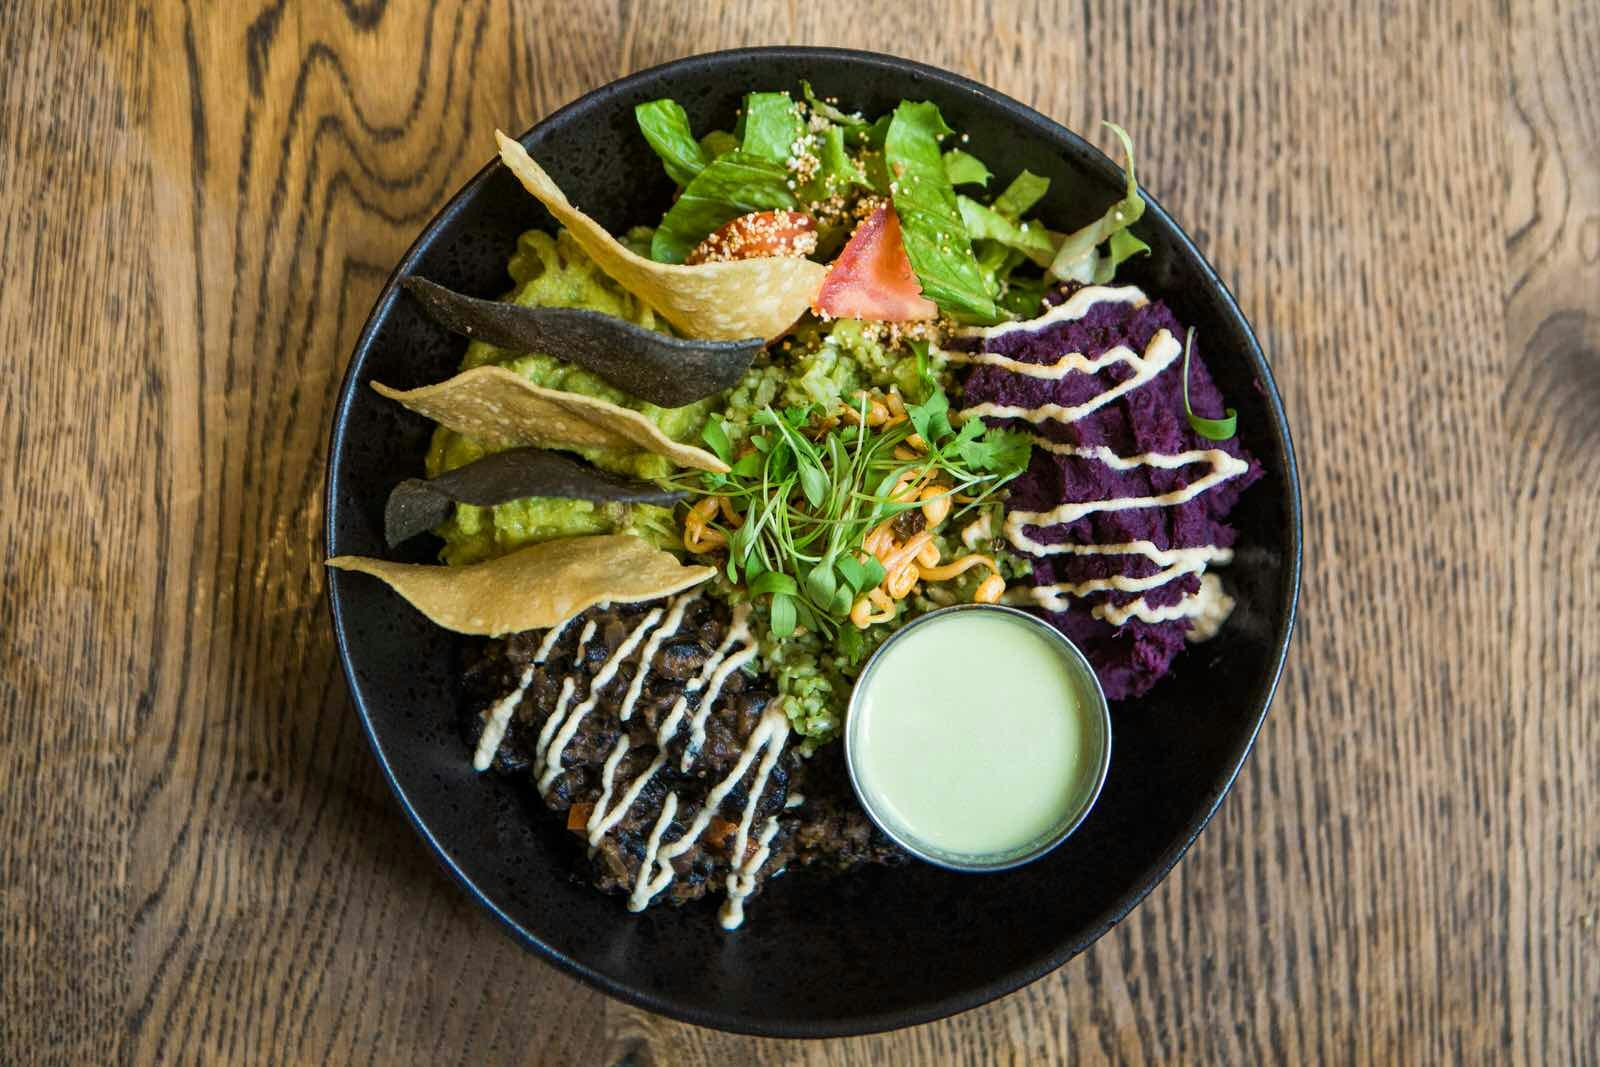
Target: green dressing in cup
978	737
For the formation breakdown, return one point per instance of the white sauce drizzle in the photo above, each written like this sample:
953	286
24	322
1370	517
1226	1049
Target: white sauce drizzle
559	715
638	900
697	725
604	818
494	726
668	629
738	630
743	881
1161	353
602	678
549	643
975	531
601	822
1223	467
1210	607
499	717
1075	306
1215	606
768	736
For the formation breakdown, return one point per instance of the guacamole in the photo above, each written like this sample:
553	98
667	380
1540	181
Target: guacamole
555	272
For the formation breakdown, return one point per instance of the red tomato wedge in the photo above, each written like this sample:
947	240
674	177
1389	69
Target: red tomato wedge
872	278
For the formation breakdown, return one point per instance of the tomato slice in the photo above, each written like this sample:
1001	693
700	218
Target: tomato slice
872	278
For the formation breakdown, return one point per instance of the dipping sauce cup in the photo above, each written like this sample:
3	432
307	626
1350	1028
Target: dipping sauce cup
978	737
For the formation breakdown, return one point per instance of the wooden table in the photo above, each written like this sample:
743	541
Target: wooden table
199	859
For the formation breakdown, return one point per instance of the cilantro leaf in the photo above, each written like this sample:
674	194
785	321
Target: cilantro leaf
931	417
994	450
714	435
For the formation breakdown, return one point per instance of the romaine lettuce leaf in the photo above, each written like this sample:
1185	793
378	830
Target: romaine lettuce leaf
735	183
1077	257
1122	245
930	220
717	142
828	111
995	264
666	127
985	223
1023	296
1025	190
836	170
963	168
875	135
772	125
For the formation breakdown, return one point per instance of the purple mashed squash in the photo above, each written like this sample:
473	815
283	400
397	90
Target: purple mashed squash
1134	656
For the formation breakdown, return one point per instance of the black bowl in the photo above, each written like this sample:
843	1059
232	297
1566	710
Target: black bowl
872	950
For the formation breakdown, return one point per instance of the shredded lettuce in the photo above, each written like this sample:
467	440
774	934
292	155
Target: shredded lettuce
735	183
772	125
996	262
1211	429
1025	190
985	223
1002	243
875	135
837	170
1024	296
930	220
717	142
829	111
963	168
666	127
1077	258
1123	244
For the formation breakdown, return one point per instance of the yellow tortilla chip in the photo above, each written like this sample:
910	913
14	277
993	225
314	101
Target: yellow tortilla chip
501	407
535	587
713	301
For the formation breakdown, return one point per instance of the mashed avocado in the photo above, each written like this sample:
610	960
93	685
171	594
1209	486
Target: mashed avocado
555	272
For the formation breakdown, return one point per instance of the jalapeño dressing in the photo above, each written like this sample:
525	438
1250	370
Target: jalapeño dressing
978	739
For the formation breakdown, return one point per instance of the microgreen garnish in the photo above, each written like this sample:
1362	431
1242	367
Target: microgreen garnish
1211	429
808	498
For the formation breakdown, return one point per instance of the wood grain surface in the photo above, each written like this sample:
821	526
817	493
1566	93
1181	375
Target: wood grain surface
198	204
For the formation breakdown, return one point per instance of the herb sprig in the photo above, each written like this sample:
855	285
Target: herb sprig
1211	429
808	500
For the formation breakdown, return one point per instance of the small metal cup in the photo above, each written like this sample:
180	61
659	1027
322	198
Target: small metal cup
1070	821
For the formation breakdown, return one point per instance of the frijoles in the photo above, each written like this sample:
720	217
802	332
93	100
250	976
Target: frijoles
674	764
